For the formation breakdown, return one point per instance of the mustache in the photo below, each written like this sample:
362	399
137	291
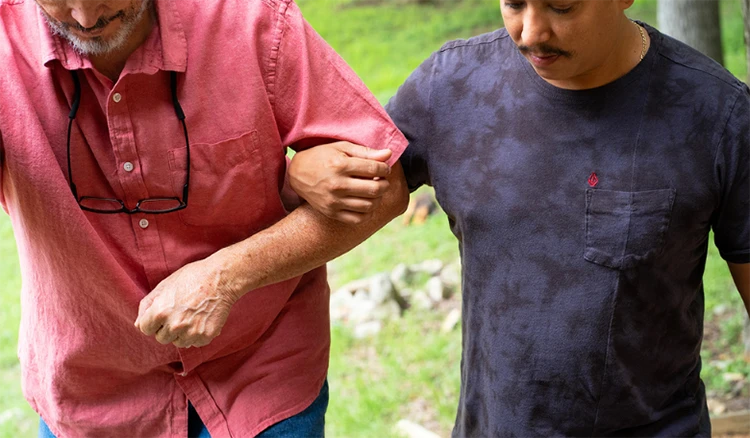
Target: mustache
544	50
101	23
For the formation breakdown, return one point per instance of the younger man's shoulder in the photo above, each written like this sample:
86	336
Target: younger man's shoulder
482	50
489	40
694	66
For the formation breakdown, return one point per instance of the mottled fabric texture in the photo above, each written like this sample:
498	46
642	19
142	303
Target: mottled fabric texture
253	79
583	221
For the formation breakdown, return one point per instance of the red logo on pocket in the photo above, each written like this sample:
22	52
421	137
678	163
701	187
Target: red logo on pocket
593	180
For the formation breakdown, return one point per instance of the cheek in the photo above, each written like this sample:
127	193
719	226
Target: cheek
54	10
514	27
132	5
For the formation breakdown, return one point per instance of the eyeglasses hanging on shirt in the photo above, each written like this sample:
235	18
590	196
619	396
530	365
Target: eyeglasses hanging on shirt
149	205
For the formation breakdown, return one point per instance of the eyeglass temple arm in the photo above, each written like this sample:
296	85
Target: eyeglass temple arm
73	111
181	116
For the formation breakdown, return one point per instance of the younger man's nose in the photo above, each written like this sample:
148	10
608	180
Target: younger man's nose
536	29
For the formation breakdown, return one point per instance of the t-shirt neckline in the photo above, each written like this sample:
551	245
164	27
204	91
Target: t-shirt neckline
586	96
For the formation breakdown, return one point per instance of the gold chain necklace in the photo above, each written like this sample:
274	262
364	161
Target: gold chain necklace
643	40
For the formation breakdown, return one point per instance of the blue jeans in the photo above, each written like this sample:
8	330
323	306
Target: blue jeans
308	423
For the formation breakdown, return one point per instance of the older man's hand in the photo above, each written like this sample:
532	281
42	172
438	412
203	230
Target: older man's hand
188	308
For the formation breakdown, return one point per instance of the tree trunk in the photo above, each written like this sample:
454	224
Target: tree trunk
694	22
746	14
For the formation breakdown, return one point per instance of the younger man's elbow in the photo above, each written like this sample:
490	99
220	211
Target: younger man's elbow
396	200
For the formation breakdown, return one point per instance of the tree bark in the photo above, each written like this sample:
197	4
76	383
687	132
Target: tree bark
694	22
746	14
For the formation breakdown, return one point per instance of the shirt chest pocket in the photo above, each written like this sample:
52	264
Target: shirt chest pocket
625	229
227	183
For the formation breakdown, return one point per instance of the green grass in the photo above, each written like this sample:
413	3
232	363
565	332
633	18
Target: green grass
396	244
16	417
409	367
409	370
385	43
10	285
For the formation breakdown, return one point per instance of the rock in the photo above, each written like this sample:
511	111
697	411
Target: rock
406	293
14	415
381	288
738	388
720	309
420	300
716	407
450	321
720	364
431	267
410	429
451	275
386	311
436	290
401	276
733	377
354	286
361	295
341	304
362	308
367	329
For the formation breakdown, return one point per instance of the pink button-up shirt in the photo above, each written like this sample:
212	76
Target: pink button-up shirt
253	78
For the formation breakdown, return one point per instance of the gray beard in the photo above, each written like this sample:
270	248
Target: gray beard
97	45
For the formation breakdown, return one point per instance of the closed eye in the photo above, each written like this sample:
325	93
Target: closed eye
514	5
561	10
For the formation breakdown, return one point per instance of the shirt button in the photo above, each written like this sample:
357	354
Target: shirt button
117	97
128	166
143	223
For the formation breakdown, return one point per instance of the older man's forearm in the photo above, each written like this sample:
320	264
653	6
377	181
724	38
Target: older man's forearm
303	241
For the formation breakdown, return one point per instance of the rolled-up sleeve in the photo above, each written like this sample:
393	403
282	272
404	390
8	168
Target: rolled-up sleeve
317	98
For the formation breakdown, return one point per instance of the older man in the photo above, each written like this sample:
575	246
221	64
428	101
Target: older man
582	159
142	149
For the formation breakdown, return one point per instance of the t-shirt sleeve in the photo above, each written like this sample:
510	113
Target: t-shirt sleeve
731	222
410	110
317	98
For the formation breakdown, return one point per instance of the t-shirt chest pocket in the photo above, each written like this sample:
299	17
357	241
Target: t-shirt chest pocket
227	184
625	229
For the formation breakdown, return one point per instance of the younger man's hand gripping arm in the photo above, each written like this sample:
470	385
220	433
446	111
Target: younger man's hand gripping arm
341	180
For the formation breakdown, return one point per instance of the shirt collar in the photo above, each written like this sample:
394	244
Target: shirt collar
166	47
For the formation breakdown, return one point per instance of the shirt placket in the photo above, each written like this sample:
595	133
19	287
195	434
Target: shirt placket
132	181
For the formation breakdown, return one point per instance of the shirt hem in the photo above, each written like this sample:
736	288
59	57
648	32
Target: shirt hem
296	409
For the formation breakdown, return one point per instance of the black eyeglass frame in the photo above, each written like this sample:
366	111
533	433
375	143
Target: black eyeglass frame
138	207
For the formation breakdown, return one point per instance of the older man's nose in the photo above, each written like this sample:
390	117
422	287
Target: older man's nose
87	13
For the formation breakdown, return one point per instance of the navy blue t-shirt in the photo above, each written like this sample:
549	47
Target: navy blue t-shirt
583	221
